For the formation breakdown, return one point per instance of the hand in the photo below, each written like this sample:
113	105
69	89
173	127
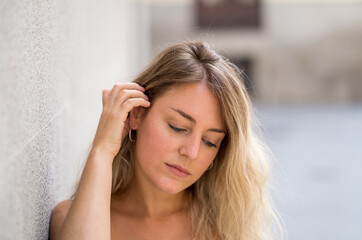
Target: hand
113	125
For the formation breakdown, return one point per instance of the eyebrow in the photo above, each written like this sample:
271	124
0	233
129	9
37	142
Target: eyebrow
188	117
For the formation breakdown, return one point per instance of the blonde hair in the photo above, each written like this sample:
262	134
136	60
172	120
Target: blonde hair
229	200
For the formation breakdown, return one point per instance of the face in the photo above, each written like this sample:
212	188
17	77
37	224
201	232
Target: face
178	138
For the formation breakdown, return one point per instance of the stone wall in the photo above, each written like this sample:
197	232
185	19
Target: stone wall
55	59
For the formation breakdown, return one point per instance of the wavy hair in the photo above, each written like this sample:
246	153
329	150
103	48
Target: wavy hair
228	202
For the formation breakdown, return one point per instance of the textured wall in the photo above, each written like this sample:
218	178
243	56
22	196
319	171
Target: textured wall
55	58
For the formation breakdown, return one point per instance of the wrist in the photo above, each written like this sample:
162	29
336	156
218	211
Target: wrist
99	152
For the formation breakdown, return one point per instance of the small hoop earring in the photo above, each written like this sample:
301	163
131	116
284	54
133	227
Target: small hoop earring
130	136
212	164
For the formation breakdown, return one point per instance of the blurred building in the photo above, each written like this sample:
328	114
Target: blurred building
293	51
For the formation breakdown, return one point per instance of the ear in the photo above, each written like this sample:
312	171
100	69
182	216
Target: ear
135	116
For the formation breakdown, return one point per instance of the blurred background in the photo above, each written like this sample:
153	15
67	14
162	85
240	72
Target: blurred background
303	59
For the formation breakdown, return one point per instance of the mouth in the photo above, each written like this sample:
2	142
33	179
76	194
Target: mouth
178	170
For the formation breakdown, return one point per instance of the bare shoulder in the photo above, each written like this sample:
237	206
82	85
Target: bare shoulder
58	216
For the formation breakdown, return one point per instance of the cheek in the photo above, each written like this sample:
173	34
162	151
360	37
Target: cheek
153	141
204	163
157	137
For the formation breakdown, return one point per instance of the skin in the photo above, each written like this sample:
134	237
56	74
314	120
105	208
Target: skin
173	134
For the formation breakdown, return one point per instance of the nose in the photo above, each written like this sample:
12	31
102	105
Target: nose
190	147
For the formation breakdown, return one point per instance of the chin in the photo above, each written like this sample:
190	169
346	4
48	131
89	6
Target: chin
171	187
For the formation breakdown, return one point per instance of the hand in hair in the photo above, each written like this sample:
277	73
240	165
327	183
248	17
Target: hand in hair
113	125
88	215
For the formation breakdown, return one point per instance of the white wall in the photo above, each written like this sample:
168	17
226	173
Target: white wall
55	59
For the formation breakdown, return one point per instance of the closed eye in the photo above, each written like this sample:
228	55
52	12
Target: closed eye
182	130
176	129
209	144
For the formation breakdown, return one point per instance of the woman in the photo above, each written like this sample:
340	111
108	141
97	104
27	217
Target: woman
174	157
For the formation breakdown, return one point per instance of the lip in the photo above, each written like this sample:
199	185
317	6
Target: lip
178	170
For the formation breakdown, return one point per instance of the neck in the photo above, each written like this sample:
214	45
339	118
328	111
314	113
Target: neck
145	201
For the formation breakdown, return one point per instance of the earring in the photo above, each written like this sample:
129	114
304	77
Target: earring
212	164
130	135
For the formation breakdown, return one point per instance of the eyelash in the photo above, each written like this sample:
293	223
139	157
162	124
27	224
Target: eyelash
181	130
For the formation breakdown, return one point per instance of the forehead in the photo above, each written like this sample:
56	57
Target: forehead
195	99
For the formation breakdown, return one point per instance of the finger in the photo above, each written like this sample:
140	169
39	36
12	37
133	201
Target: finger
129	85
135	86
131	103
127	94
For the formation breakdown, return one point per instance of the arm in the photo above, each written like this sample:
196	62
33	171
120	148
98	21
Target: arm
88	216
58	215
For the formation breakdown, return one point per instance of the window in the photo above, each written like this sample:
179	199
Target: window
228	13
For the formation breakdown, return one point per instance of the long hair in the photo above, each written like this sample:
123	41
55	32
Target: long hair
228	201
